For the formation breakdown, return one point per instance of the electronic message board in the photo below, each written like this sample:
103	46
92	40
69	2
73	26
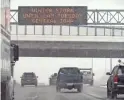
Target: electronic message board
52	15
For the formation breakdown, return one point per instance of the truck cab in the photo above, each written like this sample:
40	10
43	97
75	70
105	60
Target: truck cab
8	61
9	52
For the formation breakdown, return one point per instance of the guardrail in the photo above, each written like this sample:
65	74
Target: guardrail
94	17
67	30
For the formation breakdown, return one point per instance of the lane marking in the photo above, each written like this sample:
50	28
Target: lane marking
32	98
94	96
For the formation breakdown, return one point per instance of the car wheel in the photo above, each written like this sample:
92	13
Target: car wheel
79	89
35	85
113	95
91	84
108	93
7	94
22	85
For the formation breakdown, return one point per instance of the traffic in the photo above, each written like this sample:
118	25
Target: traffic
76	79
66	83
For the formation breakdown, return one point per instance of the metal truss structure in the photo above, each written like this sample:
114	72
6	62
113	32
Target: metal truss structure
112	20
95	17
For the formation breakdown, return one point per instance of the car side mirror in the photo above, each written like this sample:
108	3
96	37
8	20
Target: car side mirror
108	73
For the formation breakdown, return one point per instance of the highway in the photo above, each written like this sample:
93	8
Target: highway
49	93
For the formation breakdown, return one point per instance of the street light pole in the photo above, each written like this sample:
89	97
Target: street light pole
110	64
92	63
111	33
92	67
105	65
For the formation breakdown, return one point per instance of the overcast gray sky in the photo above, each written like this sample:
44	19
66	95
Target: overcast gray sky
92	4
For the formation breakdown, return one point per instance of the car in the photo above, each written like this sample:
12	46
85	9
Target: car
29	78
69	78
115	83
88	79
52	79
88	76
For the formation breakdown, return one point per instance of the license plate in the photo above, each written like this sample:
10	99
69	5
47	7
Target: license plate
28	80
69	84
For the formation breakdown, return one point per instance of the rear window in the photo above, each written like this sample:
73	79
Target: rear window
29	74
121	70
69	71
86	72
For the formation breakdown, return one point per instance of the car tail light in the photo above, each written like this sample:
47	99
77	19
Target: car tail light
115	79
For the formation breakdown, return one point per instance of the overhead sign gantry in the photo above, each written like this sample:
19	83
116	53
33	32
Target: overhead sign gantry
52	15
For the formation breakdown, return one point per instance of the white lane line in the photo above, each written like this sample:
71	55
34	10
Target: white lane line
103	86
95	96
32	98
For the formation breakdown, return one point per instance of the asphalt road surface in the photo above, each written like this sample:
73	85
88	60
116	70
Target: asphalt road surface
49	93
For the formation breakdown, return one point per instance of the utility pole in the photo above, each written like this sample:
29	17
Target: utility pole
105	65
92	63
111	33
92	67
110	64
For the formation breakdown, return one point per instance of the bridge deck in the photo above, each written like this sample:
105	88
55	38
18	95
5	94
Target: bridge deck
71	49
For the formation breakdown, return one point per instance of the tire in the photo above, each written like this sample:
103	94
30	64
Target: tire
115	96
108	93
79	89
22	85
35	85
111	94
8	95
3	91
91	84
13	96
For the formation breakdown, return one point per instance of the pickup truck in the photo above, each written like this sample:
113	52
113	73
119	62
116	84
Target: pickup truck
69	78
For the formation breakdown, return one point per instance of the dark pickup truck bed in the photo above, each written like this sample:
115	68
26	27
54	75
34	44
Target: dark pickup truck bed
69	80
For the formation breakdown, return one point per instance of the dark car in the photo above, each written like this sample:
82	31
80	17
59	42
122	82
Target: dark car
29	78
115	83
52	79
69	78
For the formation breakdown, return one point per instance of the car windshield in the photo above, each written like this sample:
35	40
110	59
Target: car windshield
121	70
69	71
86	72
